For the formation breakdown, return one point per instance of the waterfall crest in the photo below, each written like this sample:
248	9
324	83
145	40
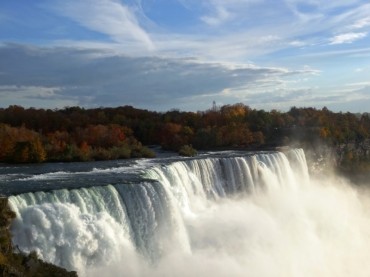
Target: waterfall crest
168	214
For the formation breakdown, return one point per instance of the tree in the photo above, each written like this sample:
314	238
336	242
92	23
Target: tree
28	152
20	145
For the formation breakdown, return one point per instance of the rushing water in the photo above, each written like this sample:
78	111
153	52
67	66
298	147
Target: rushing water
235	214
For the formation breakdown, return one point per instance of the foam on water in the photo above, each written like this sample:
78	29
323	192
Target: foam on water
255	215
47	176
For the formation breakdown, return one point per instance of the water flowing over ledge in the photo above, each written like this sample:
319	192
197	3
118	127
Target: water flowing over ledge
238	215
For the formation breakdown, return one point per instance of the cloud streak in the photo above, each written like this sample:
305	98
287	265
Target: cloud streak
108	17
232	30
347	38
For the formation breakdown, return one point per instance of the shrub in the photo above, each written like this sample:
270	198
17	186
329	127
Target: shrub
188	151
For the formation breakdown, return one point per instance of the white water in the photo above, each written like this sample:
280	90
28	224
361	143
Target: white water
258	215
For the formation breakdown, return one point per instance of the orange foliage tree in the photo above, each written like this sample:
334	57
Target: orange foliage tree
20	145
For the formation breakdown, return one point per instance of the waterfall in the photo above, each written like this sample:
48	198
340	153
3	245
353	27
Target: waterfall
137	227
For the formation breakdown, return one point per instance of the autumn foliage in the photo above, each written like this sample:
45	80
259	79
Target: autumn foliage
77	134
20	145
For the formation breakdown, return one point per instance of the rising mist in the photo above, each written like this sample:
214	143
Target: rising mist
286	224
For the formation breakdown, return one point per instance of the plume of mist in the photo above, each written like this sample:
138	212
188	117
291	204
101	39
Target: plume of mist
315	227
321	229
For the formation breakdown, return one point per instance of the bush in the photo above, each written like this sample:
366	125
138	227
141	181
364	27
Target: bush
123	152
101	154
147	153
188	151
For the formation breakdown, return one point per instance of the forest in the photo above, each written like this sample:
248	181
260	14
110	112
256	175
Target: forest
76	134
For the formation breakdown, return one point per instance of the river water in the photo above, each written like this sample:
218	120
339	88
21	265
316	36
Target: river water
220	214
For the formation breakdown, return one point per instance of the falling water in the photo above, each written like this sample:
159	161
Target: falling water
246	215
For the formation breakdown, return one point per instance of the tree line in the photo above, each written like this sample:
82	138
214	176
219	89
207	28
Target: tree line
78	134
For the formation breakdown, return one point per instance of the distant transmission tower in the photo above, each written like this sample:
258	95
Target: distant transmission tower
214	107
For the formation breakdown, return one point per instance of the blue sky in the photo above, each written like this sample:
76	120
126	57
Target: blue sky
185	54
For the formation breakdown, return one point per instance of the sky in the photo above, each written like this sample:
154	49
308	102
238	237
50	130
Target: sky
185	54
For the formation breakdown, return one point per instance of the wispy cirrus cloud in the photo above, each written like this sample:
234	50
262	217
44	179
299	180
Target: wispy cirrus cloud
347	38
234	30
108	17
219	12
361	23
295	24
220	15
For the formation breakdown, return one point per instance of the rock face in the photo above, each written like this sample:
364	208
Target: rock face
20	264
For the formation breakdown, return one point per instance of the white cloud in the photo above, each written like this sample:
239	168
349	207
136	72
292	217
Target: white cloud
347	38
34	96
361	84
272	33
297	43
351	20
255	28
361	23
109	17
312	5
221	16
89	79
218	12
240	29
